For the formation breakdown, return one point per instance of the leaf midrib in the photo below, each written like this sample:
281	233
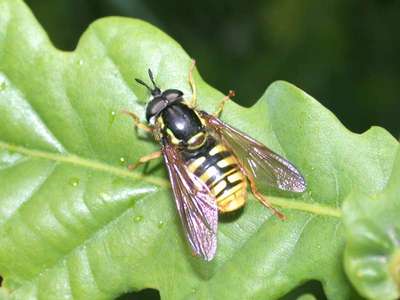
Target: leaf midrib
314	208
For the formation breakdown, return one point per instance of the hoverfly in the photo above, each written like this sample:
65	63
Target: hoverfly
209	163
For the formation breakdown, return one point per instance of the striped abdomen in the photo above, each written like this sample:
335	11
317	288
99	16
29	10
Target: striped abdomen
217	166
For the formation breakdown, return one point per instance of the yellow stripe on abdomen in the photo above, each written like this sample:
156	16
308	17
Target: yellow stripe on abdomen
234	195
233	200
219	169
196	163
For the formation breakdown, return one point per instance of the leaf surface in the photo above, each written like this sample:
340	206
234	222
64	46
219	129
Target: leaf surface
75	224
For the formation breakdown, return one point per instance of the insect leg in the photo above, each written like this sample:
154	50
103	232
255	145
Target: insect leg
264	201
193	100
222	103
144	159
260	196
137	122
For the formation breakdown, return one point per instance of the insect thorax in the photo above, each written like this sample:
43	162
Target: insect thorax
182	126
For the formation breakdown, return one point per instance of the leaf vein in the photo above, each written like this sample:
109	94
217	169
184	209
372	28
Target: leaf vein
99	166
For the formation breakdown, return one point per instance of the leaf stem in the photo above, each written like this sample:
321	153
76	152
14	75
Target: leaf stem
307	207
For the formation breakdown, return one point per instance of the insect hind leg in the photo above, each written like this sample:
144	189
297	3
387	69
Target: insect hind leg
260	197
266	203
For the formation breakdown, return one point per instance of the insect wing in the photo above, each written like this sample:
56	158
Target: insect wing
196	205
266	166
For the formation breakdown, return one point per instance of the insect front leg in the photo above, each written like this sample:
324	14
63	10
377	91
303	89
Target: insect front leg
222	103
193	100
145	159
260	196
137	122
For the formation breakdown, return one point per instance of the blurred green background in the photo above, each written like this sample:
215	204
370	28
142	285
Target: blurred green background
344	53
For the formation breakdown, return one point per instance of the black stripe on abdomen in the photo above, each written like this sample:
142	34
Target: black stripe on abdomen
211	161
215	166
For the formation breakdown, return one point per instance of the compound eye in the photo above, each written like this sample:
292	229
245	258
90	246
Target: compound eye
155	107
172	95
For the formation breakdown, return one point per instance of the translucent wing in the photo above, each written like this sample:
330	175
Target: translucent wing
266	166
196	205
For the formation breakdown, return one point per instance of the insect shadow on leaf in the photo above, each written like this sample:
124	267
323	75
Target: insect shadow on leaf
146	294
311	287
151	168
232	216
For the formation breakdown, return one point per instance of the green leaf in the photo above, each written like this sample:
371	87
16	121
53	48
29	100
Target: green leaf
372	255
75	224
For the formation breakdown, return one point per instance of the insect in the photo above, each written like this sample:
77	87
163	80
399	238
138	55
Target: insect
209	163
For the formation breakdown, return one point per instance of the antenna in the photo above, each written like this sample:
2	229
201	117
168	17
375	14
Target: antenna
143	83
152	78
154	91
